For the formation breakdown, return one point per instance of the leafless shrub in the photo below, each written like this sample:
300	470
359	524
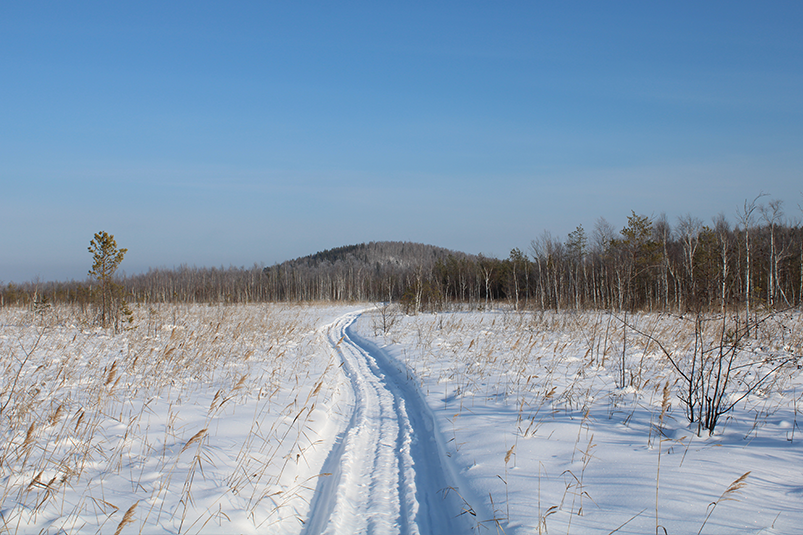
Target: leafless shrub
720	367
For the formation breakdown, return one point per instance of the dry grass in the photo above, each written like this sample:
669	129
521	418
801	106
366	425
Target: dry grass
566	366
84	411
87	411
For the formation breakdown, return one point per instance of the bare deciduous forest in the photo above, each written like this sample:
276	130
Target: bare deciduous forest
650	264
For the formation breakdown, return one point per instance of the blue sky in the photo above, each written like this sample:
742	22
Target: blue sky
217	134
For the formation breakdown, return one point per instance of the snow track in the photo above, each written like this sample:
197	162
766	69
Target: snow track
386	472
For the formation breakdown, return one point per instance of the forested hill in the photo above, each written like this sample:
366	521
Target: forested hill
376	255
376	270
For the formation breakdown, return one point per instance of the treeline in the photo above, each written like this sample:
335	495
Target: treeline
364	272
650	264
653	265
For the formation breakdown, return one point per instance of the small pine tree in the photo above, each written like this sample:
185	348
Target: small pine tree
109	295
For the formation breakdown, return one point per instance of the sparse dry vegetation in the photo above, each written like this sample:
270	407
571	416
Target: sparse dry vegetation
562	375
86	413
204	417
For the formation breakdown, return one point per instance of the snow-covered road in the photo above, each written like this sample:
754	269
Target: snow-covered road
226	419
386	472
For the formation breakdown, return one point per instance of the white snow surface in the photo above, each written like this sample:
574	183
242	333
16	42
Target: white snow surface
310	419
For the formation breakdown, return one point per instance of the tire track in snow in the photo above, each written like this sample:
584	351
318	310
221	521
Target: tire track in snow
387	469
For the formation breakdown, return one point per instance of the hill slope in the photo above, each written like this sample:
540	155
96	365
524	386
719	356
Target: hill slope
377	255
366	271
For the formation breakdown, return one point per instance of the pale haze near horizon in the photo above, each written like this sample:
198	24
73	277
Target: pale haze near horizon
213	134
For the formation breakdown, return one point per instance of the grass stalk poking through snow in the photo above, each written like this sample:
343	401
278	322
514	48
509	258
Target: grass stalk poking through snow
729	494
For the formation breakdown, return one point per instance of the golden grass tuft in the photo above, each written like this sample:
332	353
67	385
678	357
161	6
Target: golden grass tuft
128	518
738	484
509	453
197	437
29	436
111	375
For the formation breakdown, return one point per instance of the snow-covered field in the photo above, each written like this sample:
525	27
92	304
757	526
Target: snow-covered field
311	419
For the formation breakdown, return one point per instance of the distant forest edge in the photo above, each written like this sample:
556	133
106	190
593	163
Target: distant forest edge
650	264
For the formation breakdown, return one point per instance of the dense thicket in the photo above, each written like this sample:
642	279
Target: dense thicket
649	264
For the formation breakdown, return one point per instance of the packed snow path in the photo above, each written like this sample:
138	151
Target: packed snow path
386	472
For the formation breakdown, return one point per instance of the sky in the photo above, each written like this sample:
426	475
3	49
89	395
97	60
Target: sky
219	134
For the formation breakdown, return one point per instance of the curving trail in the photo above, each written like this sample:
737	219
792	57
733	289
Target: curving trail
387	471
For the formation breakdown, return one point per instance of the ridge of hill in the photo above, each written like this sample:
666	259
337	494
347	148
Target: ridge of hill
378	255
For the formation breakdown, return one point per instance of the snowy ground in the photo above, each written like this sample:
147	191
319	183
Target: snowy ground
536	424
300	419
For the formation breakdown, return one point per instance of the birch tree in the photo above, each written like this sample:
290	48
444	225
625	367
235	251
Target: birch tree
746	219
